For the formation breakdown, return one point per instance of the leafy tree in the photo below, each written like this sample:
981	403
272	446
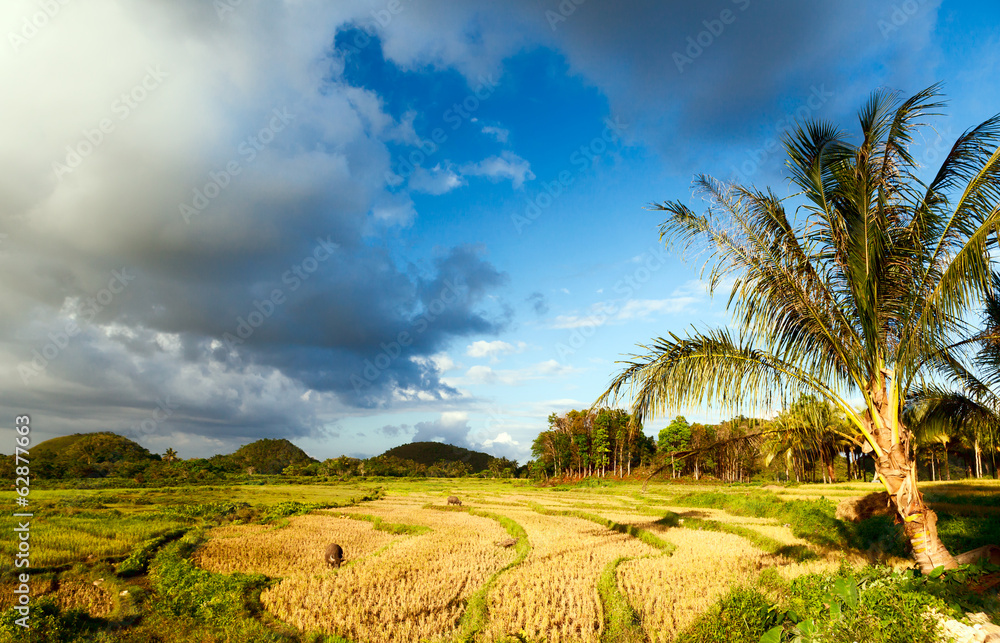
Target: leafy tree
860	294
582	443
502	467
674	437
702	437
600	443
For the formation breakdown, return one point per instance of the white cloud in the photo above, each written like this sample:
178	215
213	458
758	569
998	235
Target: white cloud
481	375
499	133
394	209
502	438
437	180
506	166
515	377
620	311
443	362
492	350
452	427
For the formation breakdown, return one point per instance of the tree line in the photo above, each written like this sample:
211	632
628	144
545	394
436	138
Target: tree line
808	441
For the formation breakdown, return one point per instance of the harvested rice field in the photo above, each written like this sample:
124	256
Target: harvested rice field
513	563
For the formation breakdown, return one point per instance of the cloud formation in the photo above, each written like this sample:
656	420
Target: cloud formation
239	182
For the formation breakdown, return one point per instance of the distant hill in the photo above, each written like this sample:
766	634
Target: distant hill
428	453
85	455
269	456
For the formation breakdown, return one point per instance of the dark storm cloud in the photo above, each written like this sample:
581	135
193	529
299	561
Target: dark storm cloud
242	197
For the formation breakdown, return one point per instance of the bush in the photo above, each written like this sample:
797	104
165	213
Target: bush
874	604
50	624
741	616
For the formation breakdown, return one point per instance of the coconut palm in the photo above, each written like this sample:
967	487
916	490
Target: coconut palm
856	295
808	430
970	412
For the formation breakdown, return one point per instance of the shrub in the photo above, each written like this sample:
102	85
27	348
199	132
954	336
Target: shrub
741	616
50	624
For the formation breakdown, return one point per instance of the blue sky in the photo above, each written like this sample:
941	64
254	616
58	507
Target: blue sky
358	224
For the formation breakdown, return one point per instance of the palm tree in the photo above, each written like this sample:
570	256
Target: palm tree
808	430
970	412
170	455
857	295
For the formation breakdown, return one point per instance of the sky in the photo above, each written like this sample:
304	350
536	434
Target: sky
357	224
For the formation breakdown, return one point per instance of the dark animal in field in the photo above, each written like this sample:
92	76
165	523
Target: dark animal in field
452	500
334	555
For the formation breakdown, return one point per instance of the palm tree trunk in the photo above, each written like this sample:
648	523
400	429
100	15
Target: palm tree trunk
898	472
979	459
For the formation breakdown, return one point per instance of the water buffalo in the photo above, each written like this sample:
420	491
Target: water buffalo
334	555
452	500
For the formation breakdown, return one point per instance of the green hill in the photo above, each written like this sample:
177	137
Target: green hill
269	456
85	455
429	453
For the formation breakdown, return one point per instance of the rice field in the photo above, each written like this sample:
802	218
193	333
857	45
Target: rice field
413	590
669	592
556	586
514	563
294	549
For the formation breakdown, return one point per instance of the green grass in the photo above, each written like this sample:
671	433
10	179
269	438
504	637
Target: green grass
476	612
138	562
398	528
621	623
